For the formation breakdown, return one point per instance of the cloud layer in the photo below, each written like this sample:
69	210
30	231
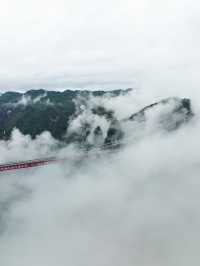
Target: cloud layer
138	206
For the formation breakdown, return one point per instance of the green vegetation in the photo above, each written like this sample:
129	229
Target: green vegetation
38	110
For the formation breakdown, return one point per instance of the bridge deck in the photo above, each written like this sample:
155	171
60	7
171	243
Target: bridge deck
27	164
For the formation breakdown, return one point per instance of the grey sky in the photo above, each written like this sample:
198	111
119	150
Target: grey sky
90	43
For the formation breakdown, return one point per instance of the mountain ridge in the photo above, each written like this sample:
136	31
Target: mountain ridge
36	111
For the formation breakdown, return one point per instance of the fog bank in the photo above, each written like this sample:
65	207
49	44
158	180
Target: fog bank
134	206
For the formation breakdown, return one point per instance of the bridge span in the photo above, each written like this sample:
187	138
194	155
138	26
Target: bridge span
28	164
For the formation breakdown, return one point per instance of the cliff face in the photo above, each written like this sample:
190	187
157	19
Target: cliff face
70	117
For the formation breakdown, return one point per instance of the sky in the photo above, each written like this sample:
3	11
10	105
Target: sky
99	44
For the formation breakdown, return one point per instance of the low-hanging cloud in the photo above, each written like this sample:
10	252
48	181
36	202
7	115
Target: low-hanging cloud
135	206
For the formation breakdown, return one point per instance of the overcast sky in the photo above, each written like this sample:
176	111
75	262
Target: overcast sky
107	43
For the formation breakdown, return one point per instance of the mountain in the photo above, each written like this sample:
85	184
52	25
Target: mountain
36	111
59	113
164	116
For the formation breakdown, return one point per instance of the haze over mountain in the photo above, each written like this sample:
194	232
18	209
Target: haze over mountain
124	189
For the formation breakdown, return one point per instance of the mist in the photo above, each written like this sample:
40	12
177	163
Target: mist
135	205
138	205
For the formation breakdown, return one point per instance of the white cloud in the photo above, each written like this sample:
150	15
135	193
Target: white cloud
138	206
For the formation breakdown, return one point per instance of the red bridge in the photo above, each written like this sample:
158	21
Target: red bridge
28	164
